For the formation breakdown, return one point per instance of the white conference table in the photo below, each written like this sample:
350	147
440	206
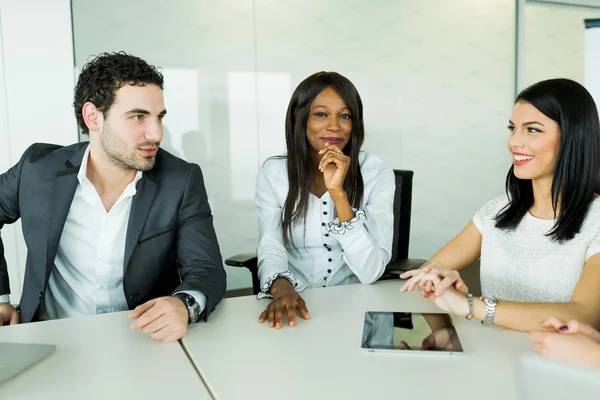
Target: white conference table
239	358
99	357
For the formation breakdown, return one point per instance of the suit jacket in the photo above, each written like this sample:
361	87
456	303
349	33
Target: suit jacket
170	242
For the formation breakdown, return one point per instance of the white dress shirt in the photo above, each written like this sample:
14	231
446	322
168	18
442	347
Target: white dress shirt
87	276
329	253
524	264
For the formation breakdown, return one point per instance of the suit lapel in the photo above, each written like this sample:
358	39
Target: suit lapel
62	195
140	207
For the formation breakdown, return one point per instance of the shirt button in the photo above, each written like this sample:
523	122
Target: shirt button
324	212
325	244
327	235
329	249
324	286
295	284
329	271
325	278
330	260
325	203
322	223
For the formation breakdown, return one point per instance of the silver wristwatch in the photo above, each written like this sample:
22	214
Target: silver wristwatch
192	306
490	311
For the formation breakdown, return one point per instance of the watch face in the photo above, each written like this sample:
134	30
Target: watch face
187	299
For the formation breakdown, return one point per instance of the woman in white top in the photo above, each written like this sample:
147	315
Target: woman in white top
325	209
539	244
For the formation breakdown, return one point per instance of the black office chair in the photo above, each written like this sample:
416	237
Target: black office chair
399	261
402	213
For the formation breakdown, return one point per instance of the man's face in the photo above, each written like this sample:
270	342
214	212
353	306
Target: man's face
132	129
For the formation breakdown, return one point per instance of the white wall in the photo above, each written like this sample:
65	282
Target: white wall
36	86
592	62
436	78
554	41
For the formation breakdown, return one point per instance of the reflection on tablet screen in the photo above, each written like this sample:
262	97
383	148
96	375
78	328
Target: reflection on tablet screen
410	331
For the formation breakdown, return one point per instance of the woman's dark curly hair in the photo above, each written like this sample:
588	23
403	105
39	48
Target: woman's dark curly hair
104	75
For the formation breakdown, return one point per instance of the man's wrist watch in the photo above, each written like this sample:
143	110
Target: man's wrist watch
490	311
193	308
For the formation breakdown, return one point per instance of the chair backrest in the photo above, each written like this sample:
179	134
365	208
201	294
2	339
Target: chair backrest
402	212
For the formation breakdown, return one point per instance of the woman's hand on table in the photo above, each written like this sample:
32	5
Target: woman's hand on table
286	301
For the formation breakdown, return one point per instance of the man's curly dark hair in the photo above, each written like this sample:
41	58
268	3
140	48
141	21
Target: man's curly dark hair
104	75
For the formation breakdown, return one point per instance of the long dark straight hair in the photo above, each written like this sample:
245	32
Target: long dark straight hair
577	173
299	165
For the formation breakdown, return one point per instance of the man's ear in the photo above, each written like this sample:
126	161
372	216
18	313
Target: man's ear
92	116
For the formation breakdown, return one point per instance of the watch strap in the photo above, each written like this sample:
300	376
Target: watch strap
490	311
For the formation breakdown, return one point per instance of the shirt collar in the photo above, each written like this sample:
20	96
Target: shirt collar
82	175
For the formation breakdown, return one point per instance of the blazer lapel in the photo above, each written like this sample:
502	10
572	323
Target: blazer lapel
140	207
62	196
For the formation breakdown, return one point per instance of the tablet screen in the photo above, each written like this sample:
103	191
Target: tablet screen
410	331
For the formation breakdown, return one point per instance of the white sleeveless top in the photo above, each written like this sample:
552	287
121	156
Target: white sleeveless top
524	265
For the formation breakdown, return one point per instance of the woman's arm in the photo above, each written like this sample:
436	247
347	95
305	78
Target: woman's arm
277	281
271	252
458	254
461	251
367	237
583	306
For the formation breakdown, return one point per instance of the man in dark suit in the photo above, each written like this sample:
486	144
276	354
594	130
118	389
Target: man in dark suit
116	223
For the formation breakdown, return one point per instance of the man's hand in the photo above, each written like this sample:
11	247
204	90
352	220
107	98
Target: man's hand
164	318
8	314
285	300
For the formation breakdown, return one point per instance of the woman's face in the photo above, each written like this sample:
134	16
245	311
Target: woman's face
534	142
329	121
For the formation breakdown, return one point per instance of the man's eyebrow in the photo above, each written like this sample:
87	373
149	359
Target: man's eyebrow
138	111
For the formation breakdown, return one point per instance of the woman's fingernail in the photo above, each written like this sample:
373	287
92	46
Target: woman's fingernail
563	328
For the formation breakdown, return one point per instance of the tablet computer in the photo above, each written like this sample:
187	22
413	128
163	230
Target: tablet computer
410	332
